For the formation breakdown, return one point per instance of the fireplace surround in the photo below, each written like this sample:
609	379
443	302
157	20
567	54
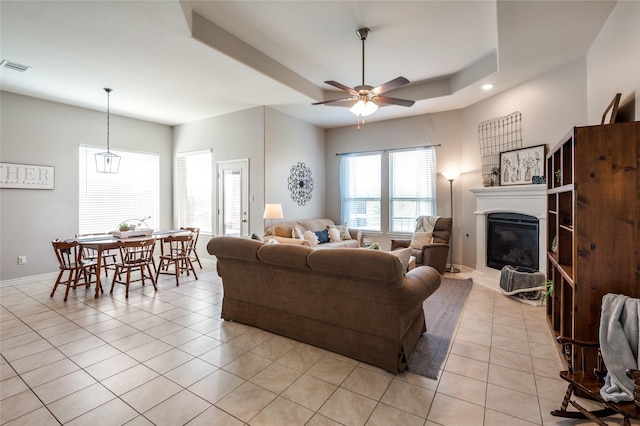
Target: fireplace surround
527	200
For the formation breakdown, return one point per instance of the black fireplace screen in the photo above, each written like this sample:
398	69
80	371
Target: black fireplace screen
512	239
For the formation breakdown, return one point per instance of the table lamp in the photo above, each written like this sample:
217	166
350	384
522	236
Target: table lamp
272	211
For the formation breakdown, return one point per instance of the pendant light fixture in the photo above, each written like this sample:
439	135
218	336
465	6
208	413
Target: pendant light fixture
107	162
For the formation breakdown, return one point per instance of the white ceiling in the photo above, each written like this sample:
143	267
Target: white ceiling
278	53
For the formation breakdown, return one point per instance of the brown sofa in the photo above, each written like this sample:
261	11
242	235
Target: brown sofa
355	302
434	254
282	232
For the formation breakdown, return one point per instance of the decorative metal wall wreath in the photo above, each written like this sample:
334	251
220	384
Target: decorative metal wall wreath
300	184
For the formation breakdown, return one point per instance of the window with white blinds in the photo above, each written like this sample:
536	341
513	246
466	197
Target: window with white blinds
360	191
195	190
412	187
107	199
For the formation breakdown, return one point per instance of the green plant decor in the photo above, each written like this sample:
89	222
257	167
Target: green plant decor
558	174
124	226
548	290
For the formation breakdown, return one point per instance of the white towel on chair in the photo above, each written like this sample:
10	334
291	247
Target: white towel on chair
426	223
619	344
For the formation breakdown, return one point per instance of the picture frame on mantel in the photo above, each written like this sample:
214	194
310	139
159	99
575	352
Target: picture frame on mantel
522	166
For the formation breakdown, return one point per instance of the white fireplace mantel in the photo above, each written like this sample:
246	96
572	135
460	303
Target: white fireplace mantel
524	199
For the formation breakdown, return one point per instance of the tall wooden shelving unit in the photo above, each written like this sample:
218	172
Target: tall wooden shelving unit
593	225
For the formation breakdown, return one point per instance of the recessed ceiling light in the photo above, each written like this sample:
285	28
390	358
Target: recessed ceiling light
487	86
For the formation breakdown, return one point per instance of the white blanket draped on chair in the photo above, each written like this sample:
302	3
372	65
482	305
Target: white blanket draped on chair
620	345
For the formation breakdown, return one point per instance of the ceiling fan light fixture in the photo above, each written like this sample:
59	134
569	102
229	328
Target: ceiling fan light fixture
364	108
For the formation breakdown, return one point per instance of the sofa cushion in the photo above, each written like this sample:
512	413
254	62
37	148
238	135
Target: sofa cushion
311	238
334	235
296	233
323	236
357	263
284	255
421	238
344	231
404	255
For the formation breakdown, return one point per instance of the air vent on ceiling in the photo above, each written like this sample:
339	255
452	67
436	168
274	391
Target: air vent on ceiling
14	66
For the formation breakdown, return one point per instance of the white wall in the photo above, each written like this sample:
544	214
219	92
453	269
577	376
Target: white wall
232	136
273	142
551	105
613	64
48	133
432	129
290	141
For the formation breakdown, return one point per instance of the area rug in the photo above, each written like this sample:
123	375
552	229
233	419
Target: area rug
441	311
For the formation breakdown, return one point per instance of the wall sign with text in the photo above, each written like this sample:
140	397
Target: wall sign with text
26	176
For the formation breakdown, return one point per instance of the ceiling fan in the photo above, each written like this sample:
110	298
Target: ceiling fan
367	97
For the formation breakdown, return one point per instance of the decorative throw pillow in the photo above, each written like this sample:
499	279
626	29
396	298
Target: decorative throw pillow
255	237
273	241
403	255
311	237
334	234
296	233
421	238
344	232
323	236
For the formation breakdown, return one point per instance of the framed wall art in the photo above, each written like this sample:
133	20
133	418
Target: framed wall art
26	176
522	166
300	183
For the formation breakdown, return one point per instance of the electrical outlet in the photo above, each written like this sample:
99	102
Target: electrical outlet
22	260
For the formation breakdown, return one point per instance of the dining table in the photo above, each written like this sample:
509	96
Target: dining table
101	243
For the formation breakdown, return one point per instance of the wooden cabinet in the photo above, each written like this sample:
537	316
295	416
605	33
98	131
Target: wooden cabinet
593	225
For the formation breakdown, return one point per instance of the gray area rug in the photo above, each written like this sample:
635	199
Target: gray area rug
441	311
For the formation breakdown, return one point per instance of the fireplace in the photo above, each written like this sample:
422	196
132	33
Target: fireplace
512	239
525	203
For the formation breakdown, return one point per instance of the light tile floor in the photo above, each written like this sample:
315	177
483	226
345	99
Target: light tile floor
165	358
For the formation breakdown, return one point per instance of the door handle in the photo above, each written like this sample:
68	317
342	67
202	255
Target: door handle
244	220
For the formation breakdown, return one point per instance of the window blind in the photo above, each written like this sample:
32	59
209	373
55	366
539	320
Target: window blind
360	190
106	200
195	190
412	187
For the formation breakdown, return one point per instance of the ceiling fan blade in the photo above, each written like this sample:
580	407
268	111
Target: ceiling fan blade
342	87
393	101
390	85
332	101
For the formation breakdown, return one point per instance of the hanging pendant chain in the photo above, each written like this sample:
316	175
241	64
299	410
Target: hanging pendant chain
108	115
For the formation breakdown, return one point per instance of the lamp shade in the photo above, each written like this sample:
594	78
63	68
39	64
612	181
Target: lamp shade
451	174
273	211
364	108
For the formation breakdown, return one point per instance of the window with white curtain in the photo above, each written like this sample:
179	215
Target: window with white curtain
367	204
107	199
195	191
360	191
412	187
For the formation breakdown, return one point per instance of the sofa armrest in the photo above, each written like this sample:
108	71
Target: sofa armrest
436	255
286	240
418	284
396	244
356	234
